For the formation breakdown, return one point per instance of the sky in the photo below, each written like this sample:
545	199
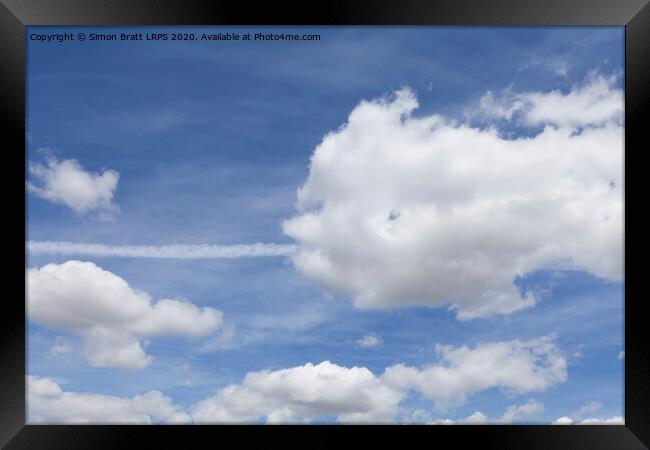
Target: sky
386	225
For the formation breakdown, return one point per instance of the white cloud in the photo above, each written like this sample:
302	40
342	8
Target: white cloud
564	420
67	182
313	392
369	341
621	355
111	316
401	209
48	403
518	412
514	412
588	410
616	420
476	418
441	422
197	251
593	103
303	393
514	366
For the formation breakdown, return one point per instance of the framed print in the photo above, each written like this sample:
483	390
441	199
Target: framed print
391	219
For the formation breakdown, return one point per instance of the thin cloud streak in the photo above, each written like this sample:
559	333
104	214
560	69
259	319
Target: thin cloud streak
197	251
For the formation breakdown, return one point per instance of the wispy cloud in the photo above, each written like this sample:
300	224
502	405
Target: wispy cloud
197	251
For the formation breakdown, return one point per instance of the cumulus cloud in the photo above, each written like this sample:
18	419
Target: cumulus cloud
514	366
48	403
564	420
175	251
369	341
303	393
111	316
318	392
476	418
400	209
68	183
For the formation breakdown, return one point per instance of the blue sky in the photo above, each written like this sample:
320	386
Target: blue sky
212	140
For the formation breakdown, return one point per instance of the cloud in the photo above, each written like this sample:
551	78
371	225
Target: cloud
514	412
615	420
401	209
112	317
303	393
198	251
442	422
326	390
564	420
594	102
66	182
369	341
621	355
518	412
476	418
514	366
48	403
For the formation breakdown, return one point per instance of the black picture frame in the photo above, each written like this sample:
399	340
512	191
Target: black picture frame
15	15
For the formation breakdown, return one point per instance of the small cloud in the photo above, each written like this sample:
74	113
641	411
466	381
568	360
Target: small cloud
564	420
369	341
475	419
621	355
68	183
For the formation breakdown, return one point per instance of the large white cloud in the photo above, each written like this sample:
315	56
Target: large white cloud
68	183
400	209
514	366
48	403
110	315
317	392
303	393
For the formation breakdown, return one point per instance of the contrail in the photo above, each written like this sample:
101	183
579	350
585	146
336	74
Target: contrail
199	251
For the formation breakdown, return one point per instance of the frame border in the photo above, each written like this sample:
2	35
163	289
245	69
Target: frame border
16	15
